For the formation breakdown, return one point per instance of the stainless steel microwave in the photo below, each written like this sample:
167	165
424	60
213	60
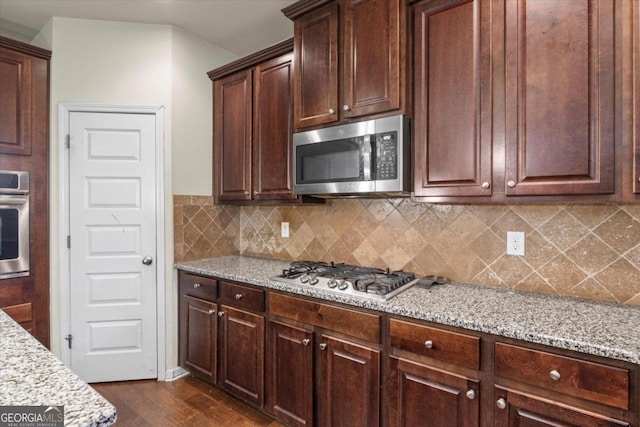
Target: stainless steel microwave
368	157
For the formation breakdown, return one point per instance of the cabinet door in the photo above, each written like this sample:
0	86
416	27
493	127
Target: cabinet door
199	337
519	409
349	384
373	31
290	374
560	89
418	393
242	354
316	67
272	130
232	136
452	97
15	102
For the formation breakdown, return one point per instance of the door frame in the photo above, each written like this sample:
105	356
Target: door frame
64	111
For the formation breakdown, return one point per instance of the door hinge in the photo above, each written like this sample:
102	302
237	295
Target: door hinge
69	338
68	242
68	142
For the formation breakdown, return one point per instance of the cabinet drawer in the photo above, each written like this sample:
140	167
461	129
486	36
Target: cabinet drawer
198	286
586	380
440	344
241	296
350	322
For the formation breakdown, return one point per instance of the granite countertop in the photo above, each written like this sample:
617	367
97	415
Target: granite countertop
30	375
598	328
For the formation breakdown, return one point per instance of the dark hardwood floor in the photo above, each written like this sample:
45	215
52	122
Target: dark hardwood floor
187	401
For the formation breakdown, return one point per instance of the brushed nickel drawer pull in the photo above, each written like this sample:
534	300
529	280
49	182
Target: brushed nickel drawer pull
306	341
323	346
196	285
428	344
239	296
471	394
555	375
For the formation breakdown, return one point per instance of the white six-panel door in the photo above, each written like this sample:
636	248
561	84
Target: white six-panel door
112	216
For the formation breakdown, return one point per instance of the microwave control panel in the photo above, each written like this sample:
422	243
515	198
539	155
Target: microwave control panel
386	155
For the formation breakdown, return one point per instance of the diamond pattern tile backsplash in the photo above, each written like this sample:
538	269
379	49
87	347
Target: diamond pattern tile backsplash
590	251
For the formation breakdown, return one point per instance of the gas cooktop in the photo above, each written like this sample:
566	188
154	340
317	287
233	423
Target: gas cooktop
346	279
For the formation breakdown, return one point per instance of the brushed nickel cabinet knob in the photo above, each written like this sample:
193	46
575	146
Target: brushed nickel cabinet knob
428	344
332	111
471	394
323	346
501	404
555	375
511	183
306	341
485	185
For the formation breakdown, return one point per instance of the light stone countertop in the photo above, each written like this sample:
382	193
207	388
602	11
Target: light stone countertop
30	375
599	328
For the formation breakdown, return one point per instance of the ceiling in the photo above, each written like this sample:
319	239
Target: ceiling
238	26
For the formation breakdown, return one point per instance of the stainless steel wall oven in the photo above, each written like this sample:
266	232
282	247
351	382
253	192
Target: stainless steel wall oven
14	224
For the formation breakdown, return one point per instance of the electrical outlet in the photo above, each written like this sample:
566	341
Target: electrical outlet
515	243
284	229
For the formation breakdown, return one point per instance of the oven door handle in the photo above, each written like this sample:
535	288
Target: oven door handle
367	159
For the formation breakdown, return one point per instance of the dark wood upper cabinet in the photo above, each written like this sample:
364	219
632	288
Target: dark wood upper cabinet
560	97
373	35
233	97
453	99
349	59
272	130
15	102
316	70
252	127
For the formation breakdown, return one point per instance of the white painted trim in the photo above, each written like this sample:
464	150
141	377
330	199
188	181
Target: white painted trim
64	110
175	373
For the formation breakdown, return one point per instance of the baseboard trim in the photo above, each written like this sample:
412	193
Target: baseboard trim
175	373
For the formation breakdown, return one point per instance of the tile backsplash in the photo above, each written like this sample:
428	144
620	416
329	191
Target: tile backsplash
590	251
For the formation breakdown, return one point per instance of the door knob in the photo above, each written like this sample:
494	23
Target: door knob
147	260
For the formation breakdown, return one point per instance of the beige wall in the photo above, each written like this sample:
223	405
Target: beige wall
103	62
590	251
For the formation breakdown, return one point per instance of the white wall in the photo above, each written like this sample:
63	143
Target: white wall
192	112
103	62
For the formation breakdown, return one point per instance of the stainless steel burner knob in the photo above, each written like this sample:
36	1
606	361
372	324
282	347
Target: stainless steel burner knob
313	278
344	285
304	278
333	282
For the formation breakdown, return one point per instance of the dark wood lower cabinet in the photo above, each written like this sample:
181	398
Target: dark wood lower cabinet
514	409
290	376
241	370
199	329
313	367
348	383
420	395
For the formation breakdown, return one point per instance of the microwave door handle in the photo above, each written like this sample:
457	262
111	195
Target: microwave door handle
366	157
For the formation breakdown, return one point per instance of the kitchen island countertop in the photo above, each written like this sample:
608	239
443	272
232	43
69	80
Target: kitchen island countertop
30	375
599	328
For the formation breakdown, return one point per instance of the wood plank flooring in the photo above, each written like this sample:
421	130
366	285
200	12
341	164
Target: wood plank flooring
187	401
